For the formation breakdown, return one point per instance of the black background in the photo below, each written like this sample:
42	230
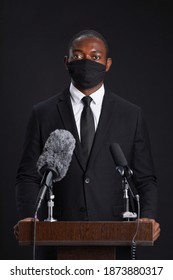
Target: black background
34	39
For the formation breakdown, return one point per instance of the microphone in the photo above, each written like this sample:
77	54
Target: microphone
122	165
117	154
55	160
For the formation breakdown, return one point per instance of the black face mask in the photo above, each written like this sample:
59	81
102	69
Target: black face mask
86	73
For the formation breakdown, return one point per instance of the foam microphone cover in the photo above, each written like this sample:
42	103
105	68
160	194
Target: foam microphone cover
57	154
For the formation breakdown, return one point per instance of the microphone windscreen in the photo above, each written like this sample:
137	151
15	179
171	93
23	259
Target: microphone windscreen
118	155
57	154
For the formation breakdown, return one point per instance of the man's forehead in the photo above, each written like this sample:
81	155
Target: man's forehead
88	41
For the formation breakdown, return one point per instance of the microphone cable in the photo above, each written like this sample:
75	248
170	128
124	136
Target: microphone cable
34	237
133	246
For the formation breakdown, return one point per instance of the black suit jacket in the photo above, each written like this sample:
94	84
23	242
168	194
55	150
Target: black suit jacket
93	192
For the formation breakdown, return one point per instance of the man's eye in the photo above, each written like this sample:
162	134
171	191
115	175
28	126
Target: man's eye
95	57
77	56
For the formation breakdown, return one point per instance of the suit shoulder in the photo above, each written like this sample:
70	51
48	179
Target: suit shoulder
124	103
47	103
51	102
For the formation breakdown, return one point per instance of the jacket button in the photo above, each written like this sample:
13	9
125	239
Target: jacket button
87	180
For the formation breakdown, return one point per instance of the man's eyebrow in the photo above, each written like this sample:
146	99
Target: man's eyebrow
77	50
93	51
97	51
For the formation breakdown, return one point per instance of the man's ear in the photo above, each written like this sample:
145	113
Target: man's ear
108	63
66	61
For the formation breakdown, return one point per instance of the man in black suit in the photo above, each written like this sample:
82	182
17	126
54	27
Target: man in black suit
91	189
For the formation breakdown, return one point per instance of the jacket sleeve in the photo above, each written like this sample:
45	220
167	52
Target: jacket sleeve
27	179
144	173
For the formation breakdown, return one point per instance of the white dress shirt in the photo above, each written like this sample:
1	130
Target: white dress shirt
77	104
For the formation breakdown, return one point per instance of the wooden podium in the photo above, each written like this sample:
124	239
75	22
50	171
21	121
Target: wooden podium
86	240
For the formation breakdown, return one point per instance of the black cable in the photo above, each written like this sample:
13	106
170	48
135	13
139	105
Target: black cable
133	246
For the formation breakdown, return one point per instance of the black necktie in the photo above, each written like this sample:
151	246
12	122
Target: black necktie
87	127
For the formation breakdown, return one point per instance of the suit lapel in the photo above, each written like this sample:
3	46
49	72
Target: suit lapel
104	126
66	112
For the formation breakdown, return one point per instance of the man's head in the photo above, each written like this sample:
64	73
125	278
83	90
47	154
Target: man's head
88	34
91	48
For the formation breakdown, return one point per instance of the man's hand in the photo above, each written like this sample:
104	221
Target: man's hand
16	227
156	227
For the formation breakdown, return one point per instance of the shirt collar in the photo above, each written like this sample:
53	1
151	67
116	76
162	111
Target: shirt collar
77	95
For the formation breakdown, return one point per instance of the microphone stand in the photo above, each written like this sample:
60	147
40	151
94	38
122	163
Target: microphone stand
50	205
127	214
126	188
46	186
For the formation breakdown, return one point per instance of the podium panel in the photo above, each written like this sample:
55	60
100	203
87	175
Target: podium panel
86	240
